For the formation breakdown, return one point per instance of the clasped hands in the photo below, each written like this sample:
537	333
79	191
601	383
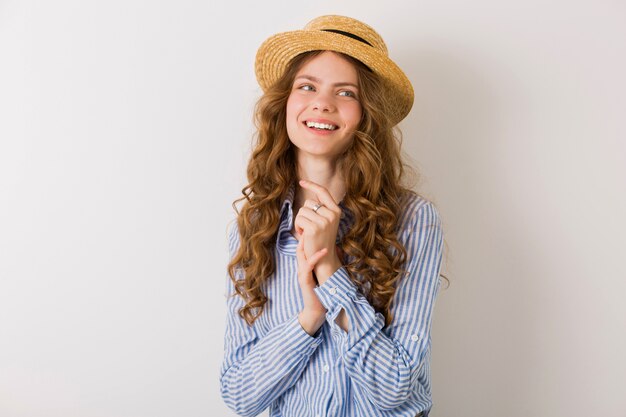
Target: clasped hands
316	224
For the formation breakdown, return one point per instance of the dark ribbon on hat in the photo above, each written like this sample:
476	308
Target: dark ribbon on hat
348	34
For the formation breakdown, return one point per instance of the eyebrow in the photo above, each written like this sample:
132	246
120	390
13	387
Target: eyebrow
317	80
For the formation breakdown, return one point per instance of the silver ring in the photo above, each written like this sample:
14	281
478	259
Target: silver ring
316	207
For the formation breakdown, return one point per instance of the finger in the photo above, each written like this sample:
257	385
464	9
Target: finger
301	257
312	260
324	211
305	221
314	218
311	204
321	193
321	210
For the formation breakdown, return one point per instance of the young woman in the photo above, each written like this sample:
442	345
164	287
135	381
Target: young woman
334	263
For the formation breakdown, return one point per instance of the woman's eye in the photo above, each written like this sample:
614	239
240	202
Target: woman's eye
306	87
347	93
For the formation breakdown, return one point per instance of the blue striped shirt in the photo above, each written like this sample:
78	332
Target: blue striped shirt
370	370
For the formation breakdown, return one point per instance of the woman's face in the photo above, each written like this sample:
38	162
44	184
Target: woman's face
323	109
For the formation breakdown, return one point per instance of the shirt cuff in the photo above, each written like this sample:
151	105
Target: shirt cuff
337	292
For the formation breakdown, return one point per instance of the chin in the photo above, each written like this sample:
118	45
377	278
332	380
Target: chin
317	152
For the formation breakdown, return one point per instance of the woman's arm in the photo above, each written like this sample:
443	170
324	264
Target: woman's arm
385	363
258	369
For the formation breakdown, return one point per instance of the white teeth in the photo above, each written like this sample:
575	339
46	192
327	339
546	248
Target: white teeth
321	126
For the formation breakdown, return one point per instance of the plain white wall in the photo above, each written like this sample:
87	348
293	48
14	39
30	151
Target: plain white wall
124	132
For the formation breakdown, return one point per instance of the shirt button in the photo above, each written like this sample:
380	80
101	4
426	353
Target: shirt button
326	368
415	338
333	291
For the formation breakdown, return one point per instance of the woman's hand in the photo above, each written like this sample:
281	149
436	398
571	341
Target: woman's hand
318	229
313	314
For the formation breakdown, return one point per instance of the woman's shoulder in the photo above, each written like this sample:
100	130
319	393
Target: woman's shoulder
415	208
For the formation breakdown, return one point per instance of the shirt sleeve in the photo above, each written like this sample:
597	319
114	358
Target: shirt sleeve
256	368
385	363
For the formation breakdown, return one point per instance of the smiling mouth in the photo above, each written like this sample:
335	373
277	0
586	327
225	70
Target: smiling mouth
320	126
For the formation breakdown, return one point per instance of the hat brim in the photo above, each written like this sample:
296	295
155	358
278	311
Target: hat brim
275	54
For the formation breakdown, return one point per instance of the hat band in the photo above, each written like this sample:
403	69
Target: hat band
348	34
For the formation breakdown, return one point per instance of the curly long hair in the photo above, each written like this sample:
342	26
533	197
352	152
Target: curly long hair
373	170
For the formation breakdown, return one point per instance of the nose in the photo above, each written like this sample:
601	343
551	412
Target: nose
324	102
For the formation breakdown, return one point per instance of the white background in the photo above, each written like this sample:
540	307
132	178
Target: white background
125	128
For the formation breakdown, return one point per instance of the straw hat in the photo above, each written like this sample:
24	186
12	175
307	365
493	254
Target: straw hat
339	34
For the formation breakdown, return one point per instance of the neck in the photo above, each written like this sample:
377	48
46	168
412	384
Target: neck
323	172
